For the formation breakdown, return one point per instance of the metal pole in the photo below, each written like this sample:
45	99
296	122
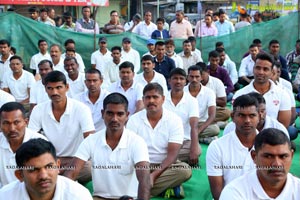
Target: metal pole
128	14
298	19
95	9
157	11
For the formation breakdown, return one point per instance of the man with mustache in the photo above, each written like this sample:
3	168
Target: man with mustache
37	170
229	156
64	121
273	156
163	132
58	62
13	123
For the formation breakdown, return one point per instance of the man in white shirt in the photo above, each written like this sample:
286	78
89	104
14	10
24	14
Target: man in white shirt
278	102
146	27
37	58
149	75
75	79
132	90
208	130
130	54
247	65
100	57
37	170
229	157
111	70
94	96
38	93
65	121
193	41
70	44
4	58
57	60
273	156
119	156
186	107
163	132
170	52
18	81
13	123
188	57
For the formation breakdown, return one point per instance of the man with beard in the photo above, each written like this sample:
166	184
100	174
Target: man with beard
64	121
273	156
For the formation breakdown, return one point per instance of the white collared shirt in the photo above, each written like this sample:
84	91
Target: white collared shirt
66	134
144	29
229	158
77	86
100	60
132	56
217	86
5	97
189	61
7	158
186	108
95	108
37	58
246	67
38	93
114	167
169	129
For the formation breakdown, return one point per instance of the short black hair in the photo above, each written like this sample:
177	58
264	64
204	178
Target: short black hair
13	49
193	68
33	148
253	45
220	50
202	67
113	11
3	41
16	57
54	77
85	7
213	54
116	48
273	42
153	86
127	64
192	39
245	101
260	98
69	58
68	41
160	19
147	57
271	136
45	61
159	43
115	98
33	9
265	56
41	40
256	41
44	10
219	44
94	71
186	41
177	71
12	106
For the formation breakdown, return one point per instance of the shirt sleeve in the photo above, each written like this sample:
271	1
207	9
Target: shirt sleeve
242	69
176	130
86	119
35	122
84	151
140	150
214	160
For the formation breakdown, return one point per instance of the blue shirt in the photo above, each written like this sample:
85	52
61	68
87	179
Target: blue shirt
157	34
224	28
164	67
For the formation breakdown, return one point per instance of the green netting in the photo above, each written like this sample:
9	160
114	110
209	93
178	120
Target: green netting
24	33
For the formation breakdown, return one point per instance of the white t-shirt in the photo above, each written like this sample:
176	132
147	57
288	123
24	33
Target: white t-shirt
77	86
186	108
111	73
276	98
269	123
67	134
132	56
145	30
217	86
100	60
158	78
229	158
18	88
169	129
205	99
7	158
246	67
38	93
65	189
189	61
113	171
249	187
4	67
95	108
5	97
133	94
178	60
37	58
